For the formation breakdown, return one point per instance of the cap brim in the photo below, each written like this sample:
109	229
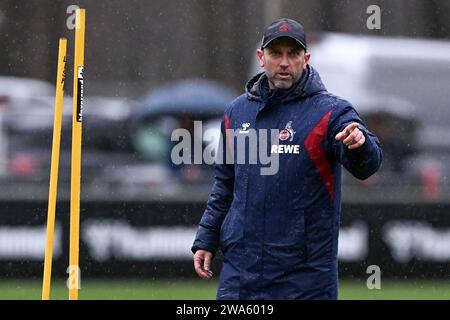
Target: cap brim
264	45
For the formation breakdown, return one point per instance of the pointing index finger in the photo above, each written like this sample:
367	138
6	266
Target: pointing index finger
352	126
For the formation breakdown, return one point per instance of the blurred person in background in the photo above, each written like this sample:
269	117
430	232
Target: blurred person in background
279	233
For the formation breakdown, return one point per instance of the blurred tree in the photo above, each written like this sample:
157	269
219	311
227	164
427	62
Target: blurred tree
135	45
29	38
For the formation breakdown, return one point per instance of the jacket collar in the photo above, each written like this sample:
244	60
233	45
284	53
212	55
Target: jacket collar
310	83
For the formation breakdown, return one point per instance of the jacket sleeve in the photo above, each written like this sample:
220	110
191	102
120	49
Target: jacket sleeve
361	162
219	202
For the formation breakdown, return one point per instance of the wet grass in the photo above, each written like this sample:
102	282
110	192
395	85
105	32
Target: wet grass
200	290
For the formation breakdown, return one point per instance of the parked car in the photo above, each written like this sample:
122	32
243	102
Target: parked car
29	131
16	90
16	93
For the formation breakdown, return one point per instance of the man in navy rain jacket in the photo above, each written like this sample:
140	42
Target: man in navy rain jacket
279	232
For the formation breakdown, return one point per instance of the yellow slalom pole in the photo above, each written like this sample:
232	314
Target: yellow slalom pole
77	118
60	77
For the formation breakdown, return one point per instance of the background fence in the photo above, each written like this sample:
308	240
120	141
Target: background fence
153	239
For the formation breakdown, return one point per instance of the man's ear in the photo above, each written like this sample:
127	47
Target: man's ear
260	56
307	57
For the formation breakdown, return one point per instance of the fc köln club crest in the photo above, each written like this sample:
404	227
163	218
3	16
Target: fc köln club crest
287	132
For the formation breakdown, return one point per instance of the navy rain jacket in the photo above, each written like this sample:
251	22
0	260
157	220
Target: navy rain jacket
279	233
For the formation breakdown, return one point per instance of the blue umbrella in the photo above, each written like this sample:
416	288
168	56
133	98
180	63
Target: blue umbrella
197	97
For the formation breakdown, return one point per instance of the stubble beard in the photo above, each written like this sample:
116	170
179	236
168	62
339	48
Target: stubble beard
286	84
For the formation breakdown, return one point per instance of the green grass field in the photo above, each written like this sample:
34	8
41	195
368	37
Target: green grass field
193	290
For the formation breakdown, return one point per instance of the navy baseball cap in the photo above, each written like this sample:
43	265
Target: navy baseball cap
284	28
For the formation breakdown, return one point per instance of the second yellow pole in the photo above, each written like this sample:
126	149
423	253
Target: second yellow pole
73	281
60	78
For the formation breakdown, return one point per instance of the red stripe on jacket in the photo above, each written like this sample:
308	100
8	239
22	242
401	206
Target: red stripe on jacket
313	144
227	133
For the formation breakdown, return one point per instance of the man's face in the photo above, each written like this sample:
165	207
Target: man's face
283	61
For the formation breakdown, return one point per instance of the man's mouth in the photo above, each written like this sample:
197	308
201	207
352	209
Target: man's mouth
284	75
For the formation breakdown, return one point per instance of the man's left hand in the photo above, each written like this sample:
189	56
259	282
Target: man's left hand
351	136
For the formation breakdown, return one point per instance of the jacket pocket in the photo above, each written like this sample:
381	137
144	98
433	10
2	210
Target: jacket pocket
228	230
320	234
285	236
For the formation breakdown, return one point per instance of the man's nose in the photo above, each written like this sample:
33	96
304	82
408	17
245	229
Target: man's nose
284	63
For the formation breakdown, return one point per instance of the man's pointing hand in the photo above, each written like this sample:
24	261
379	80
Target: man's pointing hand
351	136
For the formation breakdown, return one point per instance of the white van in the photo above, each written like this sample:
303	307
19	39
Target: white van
417	71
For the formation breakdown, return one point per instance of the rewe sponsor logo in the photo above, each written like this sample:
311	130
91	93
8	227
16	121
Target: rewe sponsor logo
286	148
